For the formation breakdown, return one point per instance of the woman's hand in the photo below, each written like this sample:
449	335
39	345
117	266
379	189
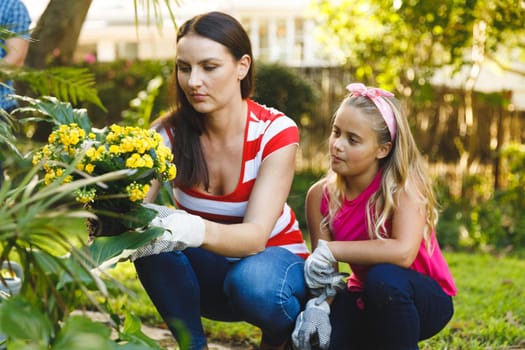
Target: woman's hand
182	230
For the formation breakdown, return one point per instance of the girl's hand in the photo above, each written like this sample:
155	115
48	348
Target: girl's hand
312	327
320	271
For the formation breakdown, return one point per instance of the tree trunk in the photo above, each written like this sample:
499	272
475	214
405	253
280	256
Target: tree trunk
56	33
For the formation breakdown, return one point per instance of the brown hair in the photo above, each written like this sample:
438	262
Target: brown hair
187	123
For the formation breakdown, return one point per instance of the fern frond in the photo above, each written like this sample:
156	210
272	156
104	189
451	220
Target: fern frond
65	83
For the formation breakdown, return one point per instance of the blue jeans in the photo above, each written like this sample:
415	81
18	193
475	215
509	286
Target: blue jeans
267	290
397	308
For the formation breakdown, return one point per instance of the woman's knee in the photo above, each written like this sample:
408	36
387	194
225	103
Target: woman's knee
267	288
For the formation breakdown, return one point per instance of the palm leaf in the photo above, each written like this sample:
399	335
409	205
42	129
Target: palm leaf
58	112
155	7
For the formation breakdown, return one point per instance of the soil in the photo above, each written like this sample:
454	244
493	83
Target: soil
163	336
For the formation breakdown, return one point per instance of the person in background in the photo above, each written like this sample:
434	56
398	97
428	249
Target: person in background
234	250
13	50
375	210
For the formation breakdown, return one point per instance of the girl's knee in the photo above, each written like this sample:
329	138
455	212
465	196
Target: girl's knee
385	284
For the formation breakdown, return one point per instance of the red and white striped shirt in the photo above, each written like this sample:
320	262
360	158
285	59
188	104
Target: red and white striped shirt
267	130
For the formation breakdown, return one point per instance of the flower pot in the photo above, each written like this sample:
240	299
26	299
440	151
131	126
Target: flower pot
10	285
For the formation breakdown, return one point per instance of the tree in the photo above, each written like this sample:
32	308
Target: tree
57	32
399	45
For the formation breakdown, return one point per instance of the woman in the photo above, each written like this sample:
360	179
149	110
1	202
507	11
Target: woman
235	164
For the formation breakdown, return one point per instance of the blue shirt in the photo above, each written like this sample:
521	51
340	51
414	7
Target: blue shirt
14	17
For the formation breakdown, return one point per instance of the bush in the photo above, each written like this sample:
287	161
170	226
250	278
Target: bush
118	83
483	217
282	88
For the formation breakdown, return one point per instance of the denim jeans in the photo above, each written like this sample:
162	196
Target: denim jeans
397	308
267	290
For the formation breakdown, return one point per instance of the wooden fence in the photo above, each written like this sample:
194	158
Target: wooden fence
446	136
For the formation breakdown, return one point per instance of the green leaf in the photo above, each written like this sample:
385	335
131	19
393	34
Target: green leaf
21	320
75	272
65	83
59	112
105	248
81	333
138	217
132	332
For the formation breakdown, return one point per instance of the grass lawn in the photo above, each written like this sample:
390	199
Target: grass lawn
489	308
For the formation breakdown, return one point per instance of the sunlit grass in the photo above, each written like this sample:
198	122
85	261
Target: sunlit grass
489	308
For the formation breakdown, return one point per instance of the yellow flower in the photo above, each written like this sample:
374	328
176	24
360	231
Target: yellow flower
127	146
91	152
136	191
133	161
172	172
100	152
49	177
37	157
85	196
148	161
114	149
90	168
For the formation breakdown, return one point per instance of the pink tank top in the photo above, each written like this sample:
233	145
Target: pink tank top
350	224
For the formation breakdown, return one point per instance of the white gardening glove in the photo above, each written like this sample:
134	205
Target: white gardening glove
320	272
182	230
312	327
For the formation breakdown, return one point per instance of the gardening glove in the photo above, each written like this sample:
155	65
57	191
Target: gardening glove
182	230
312	327
320	272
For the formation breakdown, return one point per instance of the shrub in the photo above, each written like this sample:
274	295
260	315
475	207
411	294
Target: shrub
282	88
482	217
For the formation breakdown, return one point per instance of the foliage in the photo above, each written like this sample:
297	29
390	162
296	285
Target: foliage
155	7
282	88
301	183
140	111
120	83
65	83
56	267
399	44
482	218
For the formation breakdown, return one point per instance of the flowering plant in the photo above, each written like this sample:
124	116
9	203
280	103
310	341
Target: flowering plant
97	152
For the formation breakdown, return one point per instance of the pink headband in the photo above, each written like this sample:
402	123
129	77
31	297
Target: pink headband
375	94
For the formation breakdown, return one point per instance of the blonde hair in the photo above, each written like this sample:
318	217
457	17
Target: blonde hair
403	169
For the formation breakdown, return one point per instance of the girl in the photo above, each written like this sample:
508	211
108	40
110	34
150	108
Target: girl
235	164
376	211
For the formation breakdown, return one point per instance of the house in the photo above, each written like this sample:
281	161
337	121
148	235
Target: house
281	31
